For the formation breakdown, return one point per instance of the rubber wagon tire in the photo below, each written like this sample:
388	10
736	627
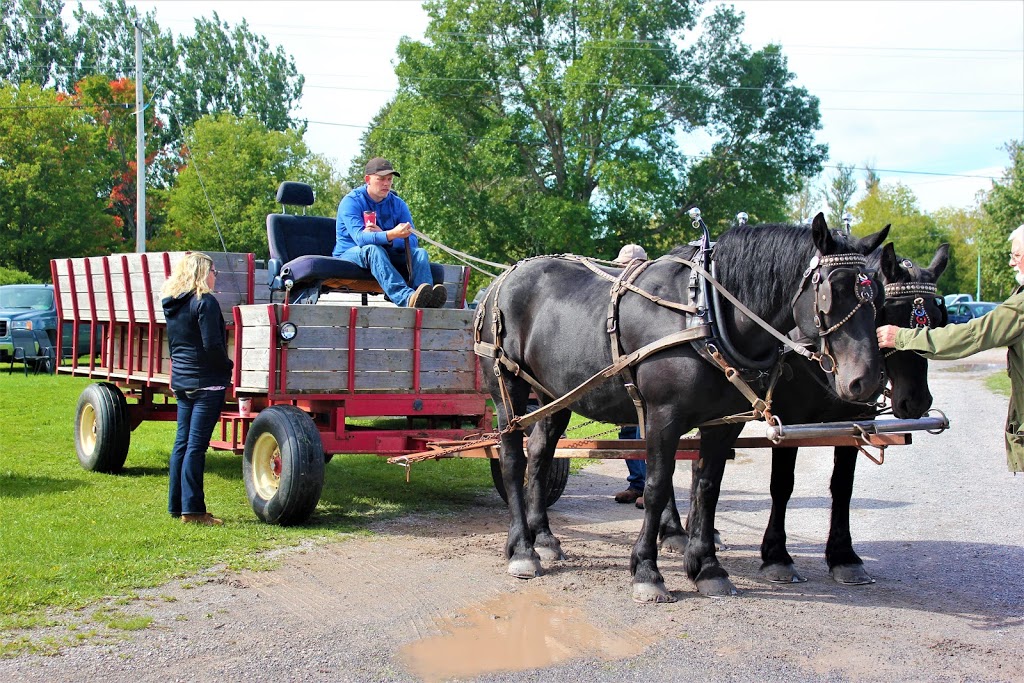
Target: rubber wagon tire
102	428
556	482
283	465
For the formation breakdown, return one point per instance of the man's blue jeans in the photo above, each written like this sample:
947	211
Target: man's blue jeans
637	468
381	262
198	413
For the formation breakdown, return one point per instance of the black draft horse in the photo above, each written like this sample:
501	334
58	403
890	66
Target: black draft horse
910	301
553	327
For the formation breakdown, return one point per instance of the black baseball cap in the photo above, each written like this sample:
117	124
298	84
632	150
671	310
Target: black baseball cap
381	166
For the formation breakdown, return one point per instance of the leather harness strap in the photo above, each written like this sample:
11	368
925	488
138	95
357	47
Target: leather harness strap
674	339
623	281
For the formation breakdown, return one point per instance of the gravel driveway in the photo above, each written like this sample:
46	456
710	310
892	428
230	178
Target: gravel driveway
427	598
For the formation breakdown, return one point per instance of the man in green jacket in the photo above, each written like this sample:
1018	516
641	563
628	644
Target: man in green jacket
1003	326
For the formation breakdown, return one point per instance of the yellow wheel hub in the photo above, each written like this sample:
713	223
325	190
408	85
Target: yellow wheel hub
87	428
266	466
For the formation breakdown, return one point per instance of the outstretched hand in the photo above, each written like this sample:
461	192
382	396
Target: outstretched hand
886	336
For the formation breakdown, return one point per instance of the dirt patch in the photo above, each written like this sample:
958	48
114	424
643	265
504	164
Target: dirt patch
427	598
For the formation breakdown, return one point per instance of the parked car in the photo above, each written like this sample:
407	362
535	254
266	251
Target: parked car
32	307
969	310
951	299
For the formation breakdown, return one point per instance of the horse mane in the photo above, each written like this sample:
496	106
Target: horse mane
763	263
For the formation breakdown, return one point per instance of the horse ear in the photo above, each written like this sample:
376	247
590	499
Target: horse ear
822	236
890	267
868	244
941	260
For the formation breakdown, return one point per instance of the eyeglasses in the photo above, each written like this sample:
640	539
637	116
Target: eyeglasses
213	271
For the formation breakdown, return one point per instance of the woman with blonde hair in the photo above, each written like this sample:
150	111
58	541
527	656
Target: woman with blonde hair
200	375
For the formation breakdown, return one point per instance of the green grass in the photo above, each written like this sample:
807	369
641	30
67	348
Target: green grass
69	538
999	383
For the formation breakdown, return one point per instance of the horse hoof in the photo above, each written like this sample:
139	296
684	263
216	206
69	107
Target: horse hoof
782	573
717	588
851	575
549	554
674	544
651	593
718	542
525	568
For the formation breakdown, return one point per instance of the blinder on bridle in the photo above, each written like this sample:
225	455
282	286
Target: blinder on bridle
822	286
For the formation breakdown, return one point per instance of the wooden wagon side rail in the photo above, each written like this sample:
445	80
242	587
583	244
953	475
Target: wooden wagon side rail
120	295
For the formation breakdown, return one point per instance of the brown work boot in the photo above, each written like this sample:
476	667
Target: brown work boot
439	296
421	298
639	502
205	519
630	495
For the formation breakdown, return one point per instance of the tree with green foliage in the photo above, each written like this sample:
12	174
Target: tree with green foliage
962	227
803	203
34	45
51	193
216	68
551	127
1004	210
228	185
839	192
914	234
110	106
13	276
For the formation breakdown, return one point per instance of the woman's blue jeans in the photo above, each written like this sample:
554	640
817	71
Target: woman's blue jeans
198	413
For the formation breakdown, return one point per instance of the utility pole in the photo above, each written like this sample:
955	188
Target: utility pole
977	293
140	149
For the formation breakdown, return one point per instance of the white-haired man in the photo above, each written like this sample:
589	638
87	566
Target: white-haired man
1003	326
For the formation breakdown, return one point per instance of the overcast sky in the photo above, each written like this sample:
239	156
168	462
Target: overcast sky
926	86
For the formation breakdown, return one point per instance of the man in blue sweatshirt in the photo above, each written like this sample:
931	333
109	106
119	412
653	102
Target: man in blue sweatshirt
374	230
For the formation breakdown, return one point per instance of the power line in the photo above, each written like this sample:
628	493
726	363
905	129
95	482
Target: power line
681	86
70	105
691	156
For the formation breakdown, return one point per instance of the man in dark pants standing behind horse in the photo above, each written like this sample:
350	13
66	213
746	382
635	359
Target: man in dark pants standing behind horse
634	493
374	232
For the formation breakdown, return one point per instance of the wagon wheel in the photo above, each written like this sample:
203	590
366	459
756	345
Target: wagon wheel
557	479
102	428
283	465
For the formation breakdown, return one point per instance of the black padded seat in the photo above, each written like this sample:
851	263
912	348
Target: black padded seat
303	246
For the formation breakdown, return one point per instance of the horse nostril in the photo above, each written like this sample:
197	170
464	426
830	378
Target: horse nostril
856	386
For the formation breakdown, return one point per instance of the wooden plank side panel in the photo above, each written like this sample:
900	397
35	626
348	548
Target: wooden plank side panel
317	359
82	285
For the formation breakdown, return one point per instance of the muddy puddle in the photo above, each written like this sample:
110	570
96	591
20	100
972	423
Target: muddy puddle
515	632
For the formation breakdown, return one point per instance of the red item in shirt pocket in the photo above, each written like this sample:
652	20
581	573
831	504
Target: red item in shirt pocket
369	218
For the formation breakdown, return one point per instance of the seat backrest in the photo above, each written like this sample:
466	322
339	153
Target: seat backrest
290	237
24	343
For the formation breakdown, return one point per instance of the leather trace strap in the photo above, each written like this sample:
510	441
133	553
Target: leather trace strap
674	339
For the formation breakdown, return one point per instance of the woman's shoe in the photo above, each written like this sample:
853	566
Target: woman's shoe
205	519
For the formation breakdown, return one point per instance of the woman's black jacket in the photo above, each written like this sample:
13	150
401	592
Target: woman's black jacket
198	342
